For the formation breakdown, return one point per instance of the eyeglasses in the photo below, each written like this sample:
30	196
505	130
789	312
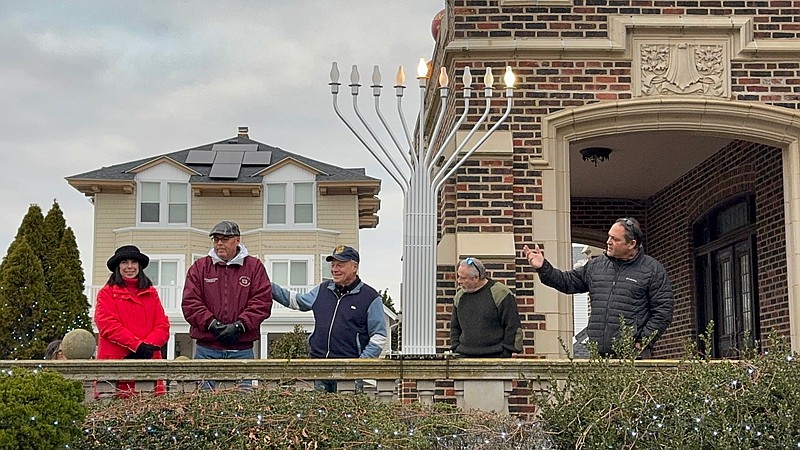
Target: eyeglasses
470	261
221	238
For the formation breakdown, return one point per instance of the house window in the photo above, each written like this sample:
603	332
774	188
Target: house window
292	272
162	202
276	204
178	203
150	202
724	241
324	268
162	272
303	203
166	273
290	204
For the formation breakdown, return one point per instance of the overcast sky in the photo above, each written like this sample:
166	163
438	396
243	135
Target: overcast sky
87	84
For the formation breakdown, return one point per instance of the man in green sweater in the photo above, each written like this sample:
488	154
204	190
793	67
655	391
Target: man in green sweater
485	321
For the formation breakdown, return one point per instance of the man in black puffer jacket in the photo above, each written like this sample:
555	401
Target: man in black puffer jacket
622	282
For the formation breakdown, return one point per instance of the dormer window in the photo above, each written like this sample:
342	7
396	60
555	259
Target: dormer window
163	203
289	204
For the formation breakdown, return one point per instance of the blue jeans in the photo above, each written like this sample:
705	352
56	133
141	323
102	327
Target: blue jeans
210	353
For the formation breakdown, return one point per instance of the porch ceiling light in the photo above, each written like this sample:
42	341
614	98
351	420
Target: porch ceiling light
595	154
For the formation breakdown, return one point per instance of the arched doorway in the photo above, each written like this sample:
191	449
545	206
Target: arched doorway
702	117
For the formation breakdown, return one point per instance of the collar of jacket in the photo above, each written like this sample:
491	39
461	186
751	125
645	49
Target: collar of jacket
237	260
623	262
353	287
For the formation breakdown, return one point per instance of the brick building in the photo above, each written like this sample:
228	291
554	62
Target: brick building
697	101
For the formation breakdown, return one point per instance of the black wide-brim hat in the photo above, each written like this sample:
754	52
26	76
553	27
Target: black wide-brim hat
127	252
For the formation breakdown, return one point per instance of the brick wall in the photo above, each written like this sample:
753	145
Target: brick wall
776	19
741	167
549	83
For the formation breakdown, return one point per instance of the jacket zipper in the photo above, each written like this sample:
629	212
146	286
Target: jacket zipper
333	319
608	302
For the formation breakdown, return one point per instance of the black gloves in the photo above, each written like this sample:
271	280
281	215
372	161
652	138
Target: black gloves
143	351
226	333
230	334
216	327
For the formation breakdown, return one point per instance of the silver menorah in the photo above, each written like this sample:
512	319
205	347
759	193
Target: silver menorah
416	166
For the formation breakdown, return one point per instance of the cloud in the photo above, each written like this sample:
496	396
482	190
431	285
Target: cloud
93	83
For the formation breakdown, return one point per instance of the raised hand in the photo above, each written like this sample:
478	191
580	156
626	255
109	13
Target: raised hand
534	256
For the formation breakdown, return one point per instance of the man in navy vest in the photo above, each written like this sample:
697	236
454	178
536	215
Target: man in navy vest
348	314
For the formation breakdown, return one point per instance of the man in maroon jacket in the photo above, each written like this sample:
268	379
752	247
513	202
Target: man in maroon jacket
226	297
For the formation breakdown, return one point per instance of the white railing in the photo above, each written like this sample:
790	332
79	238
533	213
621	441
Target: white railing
171	296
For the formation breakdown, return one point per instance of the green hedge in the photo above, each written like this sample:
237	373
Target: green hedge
39	410
291	419
753	403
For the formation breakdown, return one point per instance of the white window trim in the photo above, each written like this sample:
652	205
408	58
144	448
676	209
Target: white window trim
181	269
309	259
163	202
323	273
289	202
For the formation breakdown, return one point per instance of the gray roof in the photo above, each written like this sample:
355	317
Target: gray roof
328	172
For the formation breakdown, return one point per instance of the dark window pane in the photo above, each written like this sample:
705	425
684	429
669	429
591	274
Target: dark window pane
150	212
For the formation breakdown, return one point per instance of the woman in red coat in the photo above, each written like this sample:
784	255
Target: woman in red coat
129	316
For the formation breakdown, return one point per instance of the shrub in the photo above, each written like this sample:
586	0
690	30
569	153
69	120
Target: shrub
39	409
698	404
291	345
291	419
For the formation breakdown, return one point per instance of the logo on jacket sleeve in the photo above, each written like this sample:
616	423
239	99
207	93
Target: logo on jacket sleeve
244	281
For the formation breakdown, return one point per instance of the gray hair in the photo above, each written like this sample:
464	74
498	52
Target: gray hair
474	267
633	231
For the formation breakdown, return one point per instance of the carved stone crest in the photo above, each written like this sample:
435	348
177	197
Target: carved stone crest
683	69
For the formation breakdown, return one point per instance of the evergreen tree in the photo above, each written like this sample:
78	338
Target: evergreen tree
24	302
387	300
32	228
41	286
70	309
54	227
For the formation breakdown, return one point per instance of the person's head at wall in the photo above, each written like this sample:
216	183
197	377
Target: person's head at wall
624	238
128	263
344	265
54	351
471	274
225	236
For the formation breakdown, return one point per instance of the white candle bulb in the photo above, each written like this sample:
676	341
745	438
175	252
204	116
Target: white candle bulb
422	69
376	76
488	79
443	79
509	77
401	76
467	77
334	73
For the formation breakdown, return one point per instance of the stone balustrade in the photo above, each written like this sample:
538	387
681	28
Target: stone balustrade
502	385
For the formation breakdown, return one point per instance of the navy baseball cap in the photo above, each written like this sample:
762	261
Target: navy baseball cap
344	253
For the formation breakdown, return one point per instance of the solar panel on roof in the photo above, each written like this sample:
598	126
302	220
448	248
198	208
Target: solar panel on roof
224	170
229	157
234	148
200	157
257	158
